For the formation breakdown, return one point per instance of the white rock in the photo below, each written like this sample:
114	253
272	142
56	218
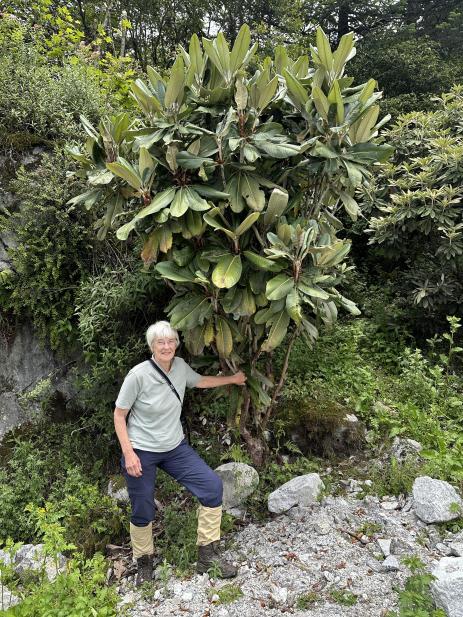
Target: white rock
279	595
31	557
390	505
239	481
433	500
187	596
385	546
117	489
447	589
456	549
302	490
7	599
391	564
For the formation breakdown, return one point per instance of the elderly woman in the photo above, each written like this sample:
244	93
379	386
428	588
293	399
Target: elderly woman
153	437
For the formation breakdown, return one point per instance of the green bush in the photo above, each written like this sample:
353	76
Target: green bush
80	592
416	216
53	251
40	101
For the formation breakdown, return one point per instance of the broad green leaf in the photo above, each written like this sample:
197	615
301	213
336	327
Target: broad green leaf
227	272
161	200
147	101
324	49
281	59
278	151
89	198
240	48
171	271
191	161
146	165
313	290
276	206
100	177
236	198
89	128
335	97
277	331
321	102
293	306
223	337
368	90
126	171
262	263
296	91
334	254
343	53
247	223
361	130
208	191
249	187
210	219
279	287
262	316
123	232
180	203
175	87
351	206
190	313
267	93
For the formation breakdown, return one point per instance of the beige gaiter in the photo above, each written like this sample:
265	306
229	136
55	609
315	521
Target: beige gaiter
142	540
208	524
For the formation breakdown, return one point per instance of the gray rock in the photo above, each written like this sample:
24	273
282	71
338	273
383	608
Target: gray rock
447	589
444	549
385	546
456	549
403	449
391	564
117	489
32	557
435	501
302	490
7	599
239	481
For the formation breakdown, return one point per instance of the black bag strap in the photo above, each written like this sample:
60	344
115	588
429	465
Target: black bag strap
166	379
183	418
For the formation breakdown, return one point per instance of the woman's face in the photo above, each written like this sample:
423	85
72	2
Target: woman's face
164	348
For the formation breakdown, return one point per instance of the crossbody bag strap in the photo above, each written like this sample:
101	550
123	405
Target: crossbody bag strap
166	379
183	418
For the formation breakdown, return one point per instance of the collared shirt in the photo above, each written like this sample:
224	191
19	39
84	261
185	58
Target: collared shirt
154	420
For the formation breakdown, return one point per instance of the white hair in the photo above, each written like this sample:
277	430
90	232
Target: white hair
161	329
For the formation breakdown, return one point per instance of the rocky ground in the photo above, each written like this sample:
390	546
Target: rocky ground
338	558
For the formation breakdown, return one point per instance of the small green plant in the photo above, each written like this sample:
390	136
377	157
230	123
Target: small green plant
415	599
227	594
215	570
305	600
369	528
344	597
165	572
236	453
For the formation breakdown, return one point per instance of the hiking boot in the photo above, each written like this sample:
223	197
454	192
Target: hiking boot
144	570
210	558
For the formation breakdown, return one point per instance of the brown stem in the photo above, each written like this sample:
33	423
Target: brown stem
277	390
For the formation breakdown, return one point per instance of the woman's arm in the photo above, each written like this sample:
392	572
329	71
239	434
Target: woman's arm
132	462
238	379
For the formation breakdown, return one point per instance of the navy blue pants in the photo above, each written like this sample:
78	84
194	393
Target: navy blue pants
185	466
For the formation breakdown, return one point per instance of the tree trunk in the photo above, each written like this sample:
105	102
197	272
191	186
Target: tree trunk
343	19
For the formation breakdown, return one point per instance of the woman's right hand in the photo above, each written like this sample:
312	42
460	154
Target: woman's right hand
133	464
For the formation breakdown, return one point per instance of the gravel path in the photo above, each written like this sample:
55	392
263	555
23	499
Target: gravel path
327	554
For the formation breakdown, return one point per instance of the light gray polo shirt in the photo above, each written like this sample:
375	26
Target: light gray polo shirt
154	420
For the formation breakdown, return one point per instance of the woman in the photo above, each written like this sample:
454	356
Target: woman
153	437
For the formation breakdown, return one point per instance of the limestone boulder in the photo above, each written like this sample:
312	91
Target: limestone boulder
435	501
239	481
300	491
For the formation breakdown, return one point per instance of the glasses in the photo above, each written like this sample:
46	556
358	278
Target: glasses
170	342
